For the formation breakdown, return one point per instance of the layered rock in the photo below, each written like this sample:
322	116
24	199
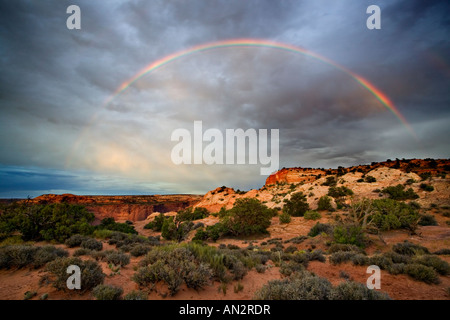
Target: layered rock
133	208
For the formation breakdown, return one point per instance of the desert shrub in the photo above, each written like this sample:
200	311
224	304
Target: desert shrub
107	292
172	230
409	249
248	216
426	187
325	204
330	181
91	273
346	256
139	250
190	214
441	266
260	268
16	256
110	224
157	223
370	179
350	290
397	258
103	234
316	255
410	182
319	228
46	222
338	192
289	267
306	287
75	240
425	175
390	214
82	252
117	258
20	256
173	265
285	217
29	294
422	273
444	251
312	215
297	205
381	261
427	220
336	247
290	249
397	268
136	295
201	235
46	254
349	234
92	244
398	192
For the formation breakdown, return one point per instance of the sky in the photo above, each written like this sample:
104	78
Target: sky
63	128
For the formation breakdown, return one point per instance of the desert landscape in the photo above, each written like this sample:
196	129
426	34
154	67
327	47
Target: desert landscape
305	234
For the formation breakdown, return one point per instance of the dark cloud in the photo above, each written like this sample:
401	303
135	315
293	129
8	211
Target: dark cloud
57	134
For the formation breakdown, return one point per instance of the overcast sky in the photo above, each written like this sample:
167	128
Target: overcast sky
57	135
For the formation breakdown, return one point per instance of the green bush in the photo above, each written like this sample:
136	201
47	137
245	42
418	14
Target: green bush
173	265
16	256
349	234
139	250
426	187
92	244
248	216
82	252
46	254
91	273
350	290
172	230
409	249
336	247
75	240
157	223
444	251
297	205
285	218
441	266
422	273
370	179
136	295
346	256
117	258
319	228
20	256
312	215
338	192
330	181
325	204
103	234
46	222
427	220
306	287
190	214
390	215
398	192
110	224
107	292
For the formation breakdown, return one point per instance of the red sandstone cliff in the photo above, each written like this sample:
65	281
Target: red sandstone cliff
133	208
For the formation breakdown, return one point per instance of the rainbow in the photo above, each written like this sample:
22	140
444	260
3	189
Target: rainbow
378	94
